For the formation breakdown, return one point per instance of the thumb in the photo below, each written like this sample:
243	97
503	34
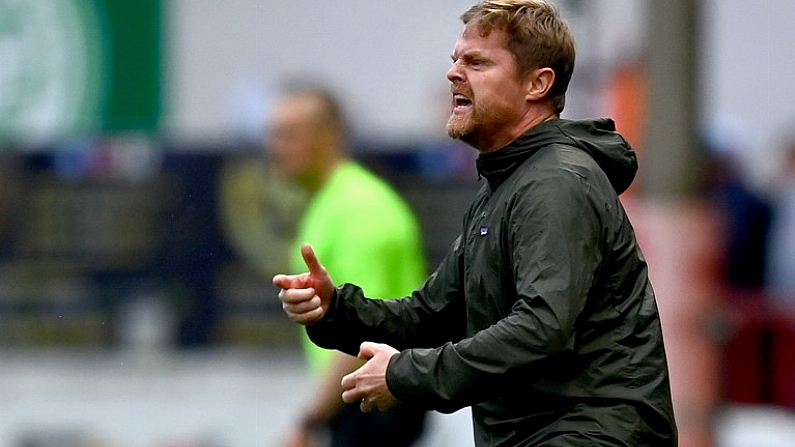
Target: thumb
367	350
311	261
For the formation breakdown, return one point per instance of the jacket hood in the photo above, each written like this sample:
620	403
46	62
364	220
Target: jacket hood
596	137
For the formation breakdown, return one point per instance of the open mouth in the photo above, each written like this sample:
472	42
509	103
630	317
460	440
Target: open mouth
461	103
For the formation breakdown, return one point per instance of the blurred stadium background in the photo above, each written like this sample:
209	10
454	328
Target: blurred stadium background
140	222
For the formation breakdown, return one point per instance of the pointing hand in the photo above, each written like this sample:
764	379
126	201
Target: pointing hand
306	297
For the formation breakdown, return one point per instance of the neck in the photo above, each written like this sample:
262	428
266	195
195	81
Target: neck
317	176
502	139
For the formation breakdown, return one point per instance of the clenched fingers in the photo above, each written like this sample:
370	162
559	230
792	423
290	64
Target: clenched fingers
350	393
301	305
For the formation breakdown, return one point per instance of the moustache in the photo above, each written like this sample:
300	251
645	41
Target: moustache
460	89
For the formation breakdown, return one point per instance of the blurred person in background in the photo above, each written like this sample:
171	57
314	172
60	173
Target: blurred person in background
541	317
745	209
366	233
780	266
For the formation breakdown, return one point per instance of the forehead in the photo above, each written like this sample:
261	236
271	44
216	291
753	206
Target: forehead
471	40
296	108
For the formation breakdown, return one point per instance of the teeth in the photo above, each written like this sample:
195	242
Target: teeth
460	100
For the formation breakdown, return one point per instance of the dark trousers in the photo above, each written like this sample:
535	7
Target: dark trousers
398	427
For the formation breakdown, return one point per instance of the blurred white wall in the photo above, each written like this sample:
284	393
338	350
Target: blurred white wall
748	70
225	59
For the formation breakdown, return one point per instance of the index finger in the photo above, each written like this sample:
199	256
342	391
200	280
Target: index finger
290	281
311	261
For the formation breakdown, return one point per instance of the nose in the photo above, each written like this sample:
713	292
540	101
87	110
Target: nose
454	74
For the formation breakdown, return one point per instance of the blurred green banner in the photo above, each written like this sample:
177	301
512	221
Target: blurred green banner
74	68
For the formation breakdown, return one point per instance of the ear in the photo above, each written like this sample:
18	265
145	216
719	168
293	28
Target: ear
539	83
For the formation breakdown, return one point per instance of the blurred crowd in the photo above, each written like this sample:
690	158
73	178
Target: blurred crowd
758	269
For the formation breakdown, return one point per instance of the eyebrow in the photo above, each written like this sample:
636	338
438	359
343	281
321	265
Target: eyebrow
468	56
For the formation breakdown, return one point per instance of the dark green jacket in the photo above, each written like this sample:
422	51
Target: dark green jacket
541	317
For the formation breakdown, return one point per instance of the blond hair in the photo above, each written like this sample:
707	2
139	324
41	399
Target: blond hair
537	36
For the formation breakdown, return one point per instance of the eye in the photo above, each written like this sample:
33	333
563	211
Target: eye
477	63
470	61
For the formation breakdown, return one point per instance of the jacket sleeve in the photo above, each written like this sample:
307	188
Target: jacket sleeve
433	314
554	248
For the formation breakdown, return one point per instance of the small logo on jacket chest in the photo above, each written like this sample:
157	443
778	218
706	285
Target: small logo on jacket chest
484	231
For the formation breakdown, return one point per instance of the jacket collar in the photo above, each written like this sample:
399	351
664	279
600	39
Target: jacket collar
498	165
598	138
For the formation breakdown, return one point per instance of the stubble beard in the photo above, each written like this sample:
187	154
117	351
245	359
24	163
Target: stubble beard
459	126
480	126
469	127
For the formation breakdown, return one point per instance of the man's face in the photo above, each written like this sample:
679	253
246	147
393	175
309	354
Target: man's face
488	96
295	135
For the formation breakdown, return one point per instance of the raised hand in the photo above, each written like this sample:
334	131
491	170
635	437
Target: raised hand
306	297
